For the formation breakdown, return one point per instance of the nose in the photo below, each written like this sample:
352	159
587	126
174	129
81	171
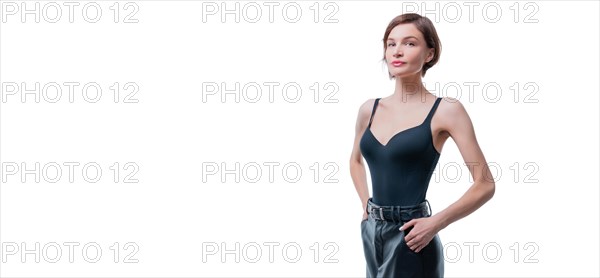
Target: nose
398	52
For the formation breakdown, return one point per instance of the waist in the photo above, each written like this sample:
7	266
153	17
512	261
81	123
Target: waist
398	213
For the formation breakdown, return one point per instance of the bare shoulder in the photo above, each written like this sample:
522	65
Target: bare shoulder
365	108
364	113
453	117
450	108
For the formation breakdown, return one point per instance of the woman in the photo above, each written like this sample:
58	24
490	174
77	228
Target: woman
401	138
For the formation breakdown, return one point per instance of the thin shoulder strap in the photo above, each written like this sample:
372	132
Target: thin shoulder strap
373	112
435	105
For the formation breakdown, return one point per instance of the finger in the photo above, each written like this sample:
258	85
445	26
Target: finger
407	224
411	244
417	247
414	248
422	246
412	234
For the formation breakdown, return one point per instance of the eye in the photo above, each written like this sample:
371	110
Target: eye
410	43
391	44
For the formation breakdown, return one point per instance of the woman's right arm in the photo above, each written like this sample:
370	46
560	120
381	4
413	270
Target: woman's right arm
357	167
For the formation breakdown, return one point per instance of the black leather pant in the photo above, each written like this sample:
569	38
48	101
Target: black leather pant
387	254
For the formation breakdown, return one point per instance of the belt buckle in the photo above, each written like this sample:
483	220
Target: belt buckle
374	210
378	211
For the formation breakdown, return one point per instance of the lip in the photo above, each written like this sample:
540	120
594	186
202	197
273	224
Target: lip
398	63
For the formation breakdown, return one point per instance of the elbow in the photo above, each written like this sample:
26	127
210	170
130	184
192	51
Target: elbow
490	189
486	190
355	160
354	163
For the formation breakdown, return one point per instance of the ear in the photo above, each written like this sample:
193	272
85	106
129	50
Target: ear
430	55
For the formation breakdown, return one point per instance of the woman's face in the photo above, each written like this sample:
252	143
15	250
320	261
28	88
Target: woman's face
406	51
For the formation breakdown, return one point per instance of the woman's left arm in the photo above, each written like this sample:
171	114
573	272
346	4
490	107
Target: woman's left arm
453	118
457	123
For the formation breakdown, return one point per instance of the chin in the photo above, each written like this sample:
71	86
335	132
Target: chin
403	73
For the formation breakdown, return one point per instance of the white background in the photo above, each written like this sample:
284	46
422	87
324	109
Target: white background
541	134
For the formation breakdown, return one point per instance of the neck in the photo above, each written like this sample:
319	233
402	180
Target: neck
410	89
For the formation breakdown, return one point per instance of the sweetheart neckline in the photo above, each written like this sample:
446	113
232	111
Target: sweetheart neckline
398	133
431	111
393	136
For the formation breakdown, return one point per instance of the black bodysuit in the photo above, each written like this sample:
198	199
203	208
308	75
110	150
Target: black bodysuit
401	169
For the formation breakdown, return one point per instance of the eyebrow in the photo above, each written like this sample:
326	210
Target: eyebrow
390	39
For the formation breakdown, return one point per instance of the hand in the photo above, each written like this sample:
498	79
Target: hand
423	231
365	215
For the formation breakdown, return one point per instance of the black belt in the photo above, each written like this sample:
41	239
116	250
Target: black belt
398	213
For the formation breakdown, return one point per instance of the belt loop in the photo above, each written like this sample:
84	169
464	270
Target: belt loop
429	205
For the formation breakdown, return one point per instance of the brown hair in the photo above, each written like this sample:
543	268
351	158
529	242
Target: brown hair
425	26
